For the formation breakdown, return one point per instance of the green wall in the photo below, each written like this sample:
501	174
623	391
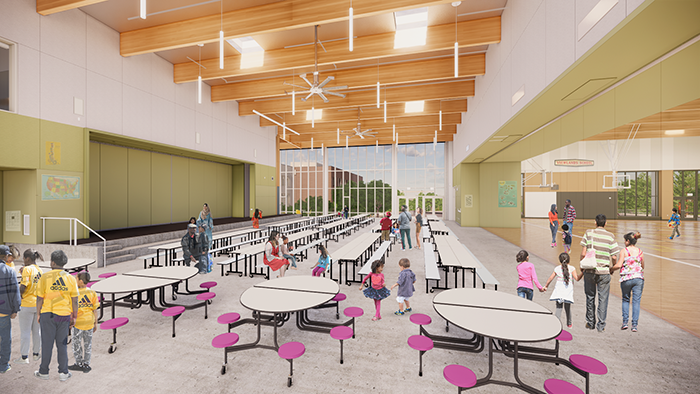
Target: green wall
238	178
480	181
265	190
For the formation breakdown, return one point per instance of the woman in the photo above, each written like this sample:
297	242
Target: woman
205	220
631	266
256	218
553	224
272	254
419	223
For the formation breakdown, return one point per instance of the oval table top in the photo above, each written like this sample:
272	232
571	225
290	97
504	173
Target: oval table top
130	284
178	273
72	264
289	294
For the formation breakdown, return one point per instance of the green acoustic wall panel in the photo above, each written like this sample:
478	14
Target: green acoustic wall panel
253	190
180	191
20	194
238	190
491	215
223	190
94	189
139	189
113	187
207	182
196	187
69	138
22	133
470	192
2	211
161	203
69	208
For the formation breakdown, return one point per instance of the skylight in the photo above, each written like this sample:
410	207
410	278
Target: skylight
414	106
411	27
252	54
318	114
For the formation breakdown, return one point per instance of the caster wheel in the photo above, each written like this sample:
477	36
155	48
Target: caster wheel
223	370
240	275
251	275
112	349
341	361
420	373
227	274
174	297
432	290
447	329
209	302
289	382
337	316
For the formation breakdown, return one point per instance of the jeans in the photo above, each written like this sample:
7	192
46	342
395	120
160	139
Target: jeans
292	259
554	227
82	346
634	286
5	341
203	264
406	234
29	331
592	284
675	231
524	292
54	329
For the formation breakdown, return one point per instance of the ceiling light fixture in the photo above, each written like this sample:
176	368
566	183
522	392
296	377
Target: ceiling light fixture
313	118
376	146
346	141
393	131
312	143
199	77
378	103
337	135
284	130
385	107
414	106
275	122
142	9
674	132
221	38
321	148
411	27
440	117
352	32
455	5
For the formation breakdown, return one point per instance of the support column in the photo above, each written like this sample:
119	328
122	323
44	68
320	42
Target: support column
325	180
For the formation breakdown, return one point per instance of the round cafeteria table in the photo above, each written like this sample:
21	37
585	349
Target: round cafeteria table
499	316
121	284
73	265
179	273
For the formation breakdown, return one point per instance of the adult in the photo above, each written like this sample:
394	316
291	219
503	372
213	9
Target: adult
553	224
204	256
57	301
28	326
9	306
631	266
385	224
346	212
405	227
192	247
256	218
272	254
205	218
419	223
598	280
569	216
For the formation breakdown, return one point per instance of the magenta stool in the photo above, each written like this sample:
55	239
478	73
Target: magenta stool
208	285
353	312
206	297
421	320
175	312
422	344
289	351
338	297
107	275
460	376
113	324
588	365
556	386
229	319
341	333
89	285
564	336
223	341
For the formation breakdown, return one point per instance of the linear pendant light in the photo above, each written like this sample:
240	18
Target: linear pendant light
142	9
284	130
352	31
393	131
221	38
313	117
376	146
378	103
346	142
199	89
321	148
312	143
337	136
384	111
440	119
456	60
293	103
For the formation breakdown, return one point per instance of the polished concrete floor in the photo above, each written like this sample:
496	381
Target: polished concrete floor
672	267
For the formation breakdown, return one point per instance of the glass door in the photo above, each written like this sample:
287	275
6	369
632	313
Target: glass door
685	194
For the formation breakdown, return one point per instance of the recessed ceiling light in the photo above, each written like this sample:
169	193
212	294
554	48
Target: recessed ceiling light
318	114
252	54
674	132
411	27
414	106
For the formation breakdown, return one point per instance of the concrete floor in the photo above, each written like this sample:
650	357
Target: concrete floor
659	358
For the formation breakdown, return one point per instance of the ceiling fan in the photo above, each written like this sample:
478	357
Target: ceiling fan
358	130
316	87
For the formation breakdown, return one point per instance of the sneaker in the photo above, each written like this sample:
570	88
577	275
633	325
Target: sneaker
23	360
399	313
551	245
634	329
671	238
678	236
375	318
403	250
601	331
86	368
62	377
408	310
569	325
9	367
555	244
588	326
36	357
75	367
41	375
624	326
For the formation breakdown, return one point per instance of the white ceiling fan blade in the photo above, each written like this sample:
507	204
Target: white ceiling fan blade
326	81
336	87
303	76
333	93
361	136
297	86
307	97
325	100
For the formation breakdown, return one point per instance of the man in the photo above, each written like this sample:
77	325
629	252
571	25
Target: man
405	227
191	246
598	280
57	302
9	306
569	215
346	212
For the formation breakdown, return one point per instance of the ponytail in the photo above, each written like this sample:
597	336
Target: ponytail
564	260
33	255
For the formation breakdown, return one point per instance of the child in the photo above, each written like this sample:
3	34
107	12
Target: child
323	260
28	326
563	293
526	275
675	222
376	290
85	324
395	230
386	226
567	238
405	282
284	249
12	257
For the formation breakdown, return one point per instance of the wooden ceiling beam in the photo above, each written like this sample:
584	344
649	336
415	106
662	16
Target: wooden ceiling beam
432	121
278	16
394	111
388	74
48	7
442	37
364	98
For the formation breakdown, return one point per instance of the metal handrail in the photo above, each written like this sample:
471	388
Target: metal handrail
73	234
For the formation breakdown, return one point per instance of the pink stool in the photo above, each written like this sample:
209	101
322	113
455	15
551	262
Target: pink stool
556	386
208	285
338	297
422	344
223	341
564	336
229	319
289	351
89	285
341	333
460	376
206	297
175	312
107	275
113	324
421	320
353	312
588	365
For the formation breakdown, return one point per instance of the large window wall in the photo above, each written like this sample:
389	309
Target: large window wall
685	193
301	181
421	174
359	177
641	199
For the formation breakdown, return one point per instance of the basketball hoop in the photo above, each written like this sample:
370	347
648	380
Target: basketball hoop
618	181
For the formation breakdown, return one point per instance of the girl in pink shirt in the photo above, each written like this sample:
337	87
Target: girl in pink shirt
376	290
526	275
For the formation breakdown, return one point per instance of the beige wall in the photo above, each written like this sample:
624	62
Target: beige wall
481	182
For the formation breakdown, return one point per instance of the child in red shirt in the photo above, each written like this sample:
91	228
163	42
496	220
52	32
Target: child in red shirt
386	226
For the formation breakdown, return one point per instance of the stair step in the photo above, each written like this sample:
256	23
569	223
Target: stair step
113	247
119	259
116	253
